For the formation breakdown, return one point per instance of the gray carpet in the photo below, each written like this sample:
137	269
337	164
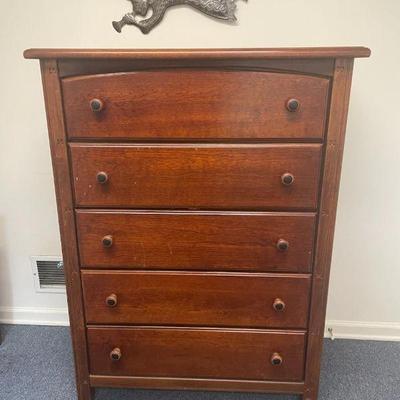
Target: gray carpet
36	364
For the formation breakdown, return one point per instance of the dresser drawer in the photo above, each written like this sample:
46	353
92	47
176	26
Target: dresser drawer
196	298
196	353
195	105
196	176
196	240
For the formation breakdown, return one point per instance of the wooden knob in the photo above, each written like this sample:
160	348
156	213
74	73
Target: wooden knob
276	359
287	179
102	177
107	241
279	305
112	300
96	105
282	245
293	105
116	354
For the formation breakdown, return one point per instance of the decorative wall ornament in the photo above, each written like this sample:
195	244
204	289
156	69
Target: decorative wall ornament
221	9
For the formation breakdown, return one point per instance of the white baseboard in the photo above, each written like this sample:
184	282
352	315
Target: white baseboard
385	331
34	316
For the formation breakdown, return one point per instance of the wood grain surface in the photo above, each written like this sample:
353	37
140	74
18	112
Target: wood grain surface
168	170
196	241
65	207
69	67
197	176
326	221
200	104
286	53
211	384
199	353
196	299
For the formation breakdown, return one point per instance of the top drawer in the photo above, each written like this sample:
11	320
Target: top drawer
192	104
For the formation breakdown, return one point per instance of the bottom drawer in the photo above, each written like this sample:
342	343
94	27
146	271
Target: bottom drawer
197	353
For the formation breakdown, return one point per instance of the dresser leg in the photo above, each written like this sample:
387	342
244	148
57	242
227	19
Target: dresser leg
310	394
85	392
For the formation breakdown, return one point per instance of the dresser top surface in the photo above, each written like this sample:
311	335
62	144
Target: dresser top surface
156	54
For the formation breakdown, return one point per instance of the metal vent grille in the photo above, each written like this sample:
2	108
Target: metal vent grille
48	273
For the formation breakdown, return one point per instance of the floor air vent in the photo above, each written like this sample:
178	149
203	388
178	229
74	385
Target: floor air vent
48	274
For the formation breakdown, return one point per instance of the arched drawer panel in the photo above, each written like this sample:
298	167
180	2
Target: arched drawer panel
196	104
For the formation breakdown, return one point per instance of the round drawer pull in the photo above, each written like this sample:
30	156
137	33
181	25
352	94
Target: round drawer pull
107	241
96	105
276	359
112	300
287	179
282	245
293	105
102	177
279	305
116	354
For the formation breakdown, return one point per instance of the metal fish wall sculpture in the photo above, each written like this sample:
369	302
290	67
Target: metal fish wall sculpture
221	9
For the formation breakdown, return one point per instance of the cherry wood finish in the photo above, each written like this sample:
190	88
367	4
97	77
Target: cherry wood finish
196	299
204	176
193	352
226	55
195	240
326	220
234	385
253	133
195	104
237	385
69	67
65	205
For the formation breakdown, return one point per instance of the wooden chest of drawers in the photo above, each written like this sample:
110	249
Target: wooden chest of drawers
197	194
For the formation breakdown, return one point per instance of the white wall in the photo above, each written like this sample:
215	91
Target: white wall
364	297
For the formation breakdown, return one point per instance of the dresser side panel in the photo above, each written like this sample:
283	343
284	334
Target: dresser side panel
340	96
63	189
